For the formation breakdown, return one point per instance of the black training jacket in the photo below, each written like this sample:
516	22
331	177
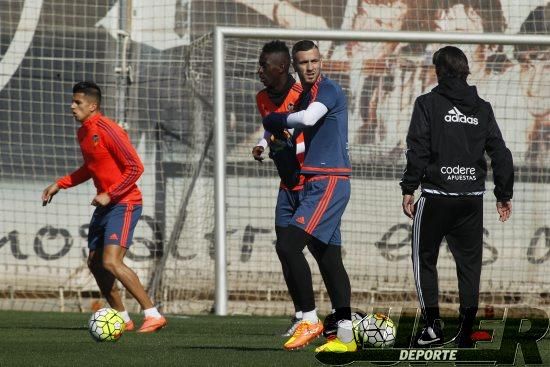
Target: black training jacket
450	131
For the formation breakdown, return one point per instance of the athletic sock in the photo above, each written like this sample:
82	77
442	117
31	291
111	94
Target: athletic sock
310	316
342	313
345	331
152	312
299	315
125	316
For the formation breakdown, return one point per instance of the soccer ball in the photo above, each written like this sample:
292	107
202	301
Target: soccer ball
106	325
374	330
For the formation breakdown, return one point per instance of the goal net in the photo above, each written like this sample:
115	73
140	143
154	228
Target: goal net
381	81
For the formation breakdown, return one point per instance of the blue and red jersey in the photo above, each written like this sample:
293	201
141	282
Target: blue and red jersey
109	159
326	142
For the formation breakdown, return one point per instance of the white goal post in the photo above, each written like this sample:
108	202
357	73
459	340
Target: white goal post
220	35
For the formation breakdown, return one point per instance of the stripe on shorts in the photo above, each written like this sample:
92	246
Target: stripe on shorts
322	206
126	225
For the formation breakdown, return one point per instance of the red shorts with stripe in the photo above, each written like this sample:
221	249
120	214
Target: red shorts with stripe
113	225
322	204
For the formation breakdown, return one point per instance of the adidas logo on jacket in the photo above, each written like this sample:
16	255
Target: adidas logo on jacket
454	115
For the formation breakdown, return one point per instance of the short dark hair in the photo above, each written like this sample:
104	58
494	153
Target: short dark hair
275	46
537	22
88	88
451	62
304	45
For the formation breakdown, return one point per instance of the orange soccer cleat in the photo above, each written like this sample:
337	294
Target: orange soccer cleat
151	324
129	326
304	334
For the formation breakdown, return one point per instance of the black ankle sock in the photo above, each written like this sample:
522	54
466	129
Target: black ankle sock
342	313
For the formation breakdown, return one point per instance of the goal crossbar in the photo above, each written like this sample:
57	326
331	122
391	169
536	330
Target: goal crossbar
220	33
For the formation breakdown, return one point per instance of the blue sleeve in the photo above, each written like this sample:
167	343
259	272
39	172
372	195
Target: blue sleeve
327	94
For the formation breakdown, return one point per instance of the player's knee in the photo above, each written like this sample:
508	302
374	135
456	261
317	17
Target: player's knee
317	249
288	247
291	242
282	250
111	264
331	258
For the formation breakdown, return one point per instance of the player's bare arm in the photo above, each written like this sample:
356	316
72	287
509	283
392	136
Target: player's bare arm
278	121
49	192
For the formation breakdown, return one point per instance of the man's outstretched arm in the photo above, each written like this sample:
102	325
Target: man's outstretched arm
276	121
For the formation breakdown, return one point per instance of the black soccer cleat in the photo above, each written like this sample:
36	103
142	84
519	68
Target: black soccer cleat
466	320
464	340
330	326
431	335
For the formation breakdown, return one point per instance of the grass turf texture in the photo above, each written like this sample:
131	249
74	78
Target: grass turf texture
56	339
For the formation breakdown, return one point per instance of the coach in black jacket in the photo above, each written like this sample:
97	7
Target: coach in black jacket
450	131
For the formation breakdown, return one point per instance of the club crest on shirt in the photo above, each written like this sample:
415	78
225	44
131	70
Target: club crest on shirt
95	139
290	107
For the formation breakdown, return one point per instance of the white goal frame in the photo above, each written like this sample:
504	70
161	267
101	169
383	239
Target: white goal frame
221	33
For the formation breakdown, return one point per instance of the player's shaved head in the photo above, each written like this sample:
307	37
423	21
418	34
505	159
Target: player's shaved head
89	89
304	45
280	50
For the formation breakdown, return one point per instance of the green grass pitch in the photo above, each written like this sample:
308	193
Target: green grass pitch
62	339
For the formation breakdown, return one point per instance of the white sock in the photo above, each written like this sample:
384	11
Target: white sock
345	331
152	312
311	316
299	315
124	315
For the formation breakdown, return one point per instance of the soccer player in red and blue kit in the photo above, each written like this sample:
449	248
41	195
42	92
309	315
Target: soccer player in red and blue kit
281	94
323	119
113	164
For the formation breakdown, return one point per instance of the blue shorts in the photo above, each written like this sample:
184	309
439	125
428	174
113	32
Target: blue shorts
287	203
321	205
113	225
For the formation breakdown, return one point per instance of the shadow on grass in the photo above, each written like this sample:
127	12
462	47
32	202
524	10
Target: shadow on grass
238	349
43	328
